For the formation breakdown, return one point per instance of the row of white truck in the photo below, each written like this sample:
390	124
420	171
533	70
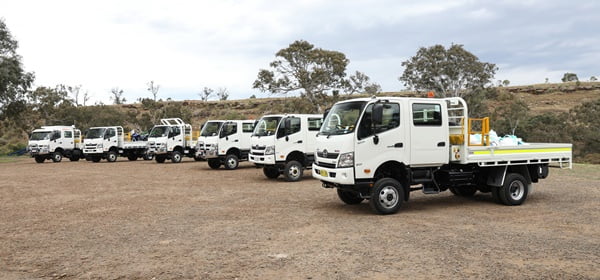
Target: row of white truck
376	149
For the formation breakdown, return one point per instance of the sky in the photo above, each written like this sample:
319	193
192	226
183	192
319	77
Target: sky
184	46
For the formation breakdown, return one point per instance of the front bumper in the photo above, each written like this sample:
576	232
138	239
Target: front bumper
340	176
207	154
262	159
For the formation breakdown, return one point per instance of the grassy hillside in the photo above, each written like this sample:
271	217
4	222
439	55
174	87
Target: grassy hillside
550	101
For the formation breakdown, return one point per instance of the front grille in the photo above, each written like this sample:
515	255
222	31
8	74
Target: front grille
324	164
258	153
258	147
329	155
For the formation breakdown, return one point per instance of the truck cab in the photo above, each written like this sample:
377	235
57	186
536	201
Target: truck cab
54	142
172	139
285	144
103	142
225	142
378	148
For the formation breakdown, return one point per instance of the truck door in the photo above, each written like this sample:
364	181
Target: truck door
68	143
289	138
377	143
229	137
428	134
110	138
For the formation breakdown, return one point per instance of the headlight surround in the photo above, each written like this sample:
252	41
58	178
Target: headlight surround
270	150
100	146
346	160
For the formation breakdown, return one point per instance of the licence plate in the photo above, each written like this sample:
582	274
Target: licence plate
323	173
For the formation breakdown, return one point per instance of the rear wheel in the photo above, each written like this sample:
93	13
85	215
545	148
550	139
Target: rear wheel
132	157
57	156
214	163
39	159
148	156
176	157
196	158
349	197
231	162
74	158
515	189
271	172
387	196
96	158
111	156
293	171
464	190
160	158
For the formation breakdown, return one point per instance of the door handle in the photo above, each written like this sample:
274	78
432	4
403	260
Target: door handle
441	144
236	140
299	141
397	145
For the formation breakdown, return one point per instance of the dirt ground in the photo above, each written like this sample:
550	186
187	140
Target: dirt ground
130	220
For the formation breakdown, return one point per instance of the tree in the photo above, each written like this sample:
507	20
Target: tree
48	101
206	93
14	81
593	79
451	72
222	93
360	82
75	92
569	77
117	95
302	67
153	88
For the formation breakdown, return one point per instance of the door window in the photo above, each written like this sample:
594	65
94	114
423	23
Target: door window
228	129
390	120
247	127
427	114
314	124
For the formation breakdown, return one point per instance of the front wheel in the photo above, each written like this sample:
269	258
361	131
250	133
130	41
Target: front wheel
160	158
96	158
39	159
387	196
514	191
293	171
132	157
148	156
111	156
349	197
214	163
176	157
271	172
57	156
231	162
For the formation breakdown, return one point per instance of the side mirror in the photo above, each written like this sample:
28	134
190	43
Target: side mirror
377	113
326	113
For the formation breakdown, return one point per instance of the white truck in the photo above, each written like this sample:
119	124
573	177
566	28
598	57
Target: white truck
285	144
172	139
108	142
379	148
54	142
225	142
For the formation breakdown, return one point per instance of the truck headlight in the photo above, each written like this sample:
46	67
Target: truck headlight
346	160
270	150
100	146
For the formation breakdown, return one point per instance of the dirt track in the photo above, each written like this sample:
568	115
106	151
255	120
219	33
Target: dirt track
125	220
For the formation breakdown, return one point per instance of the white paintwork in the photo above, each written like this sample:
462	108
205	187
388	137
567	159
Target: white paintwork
239	140
61	141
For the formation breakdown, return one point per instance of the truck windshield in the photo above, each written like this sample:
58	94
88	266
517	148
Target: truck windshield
159	131
211	129
342	118
41	135
266	126
95	133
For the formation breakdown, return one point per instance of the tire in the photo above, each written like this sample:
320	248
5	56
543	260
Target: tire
387	196
515	190
214	163
197	158
40	159
96	158
76	155
74	158
466	191
231	162
160	159
176	157
148	156
57	156
349	197
271	172
111	156
496	195
132	157
293	171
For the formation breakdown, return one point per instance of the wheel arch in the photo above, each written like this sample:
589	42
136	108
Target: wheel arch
235	151
396	170
296	155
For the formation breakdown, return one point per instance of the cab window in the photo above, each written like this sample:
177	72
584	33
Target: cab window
427	114
247	127
314	124
390	120
228	129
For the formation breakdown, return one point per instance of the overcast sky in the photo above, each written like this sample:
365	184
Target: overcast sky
185	46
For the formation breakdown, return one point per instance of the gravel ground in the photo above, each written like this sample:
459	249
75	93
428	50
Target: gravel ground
130	220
